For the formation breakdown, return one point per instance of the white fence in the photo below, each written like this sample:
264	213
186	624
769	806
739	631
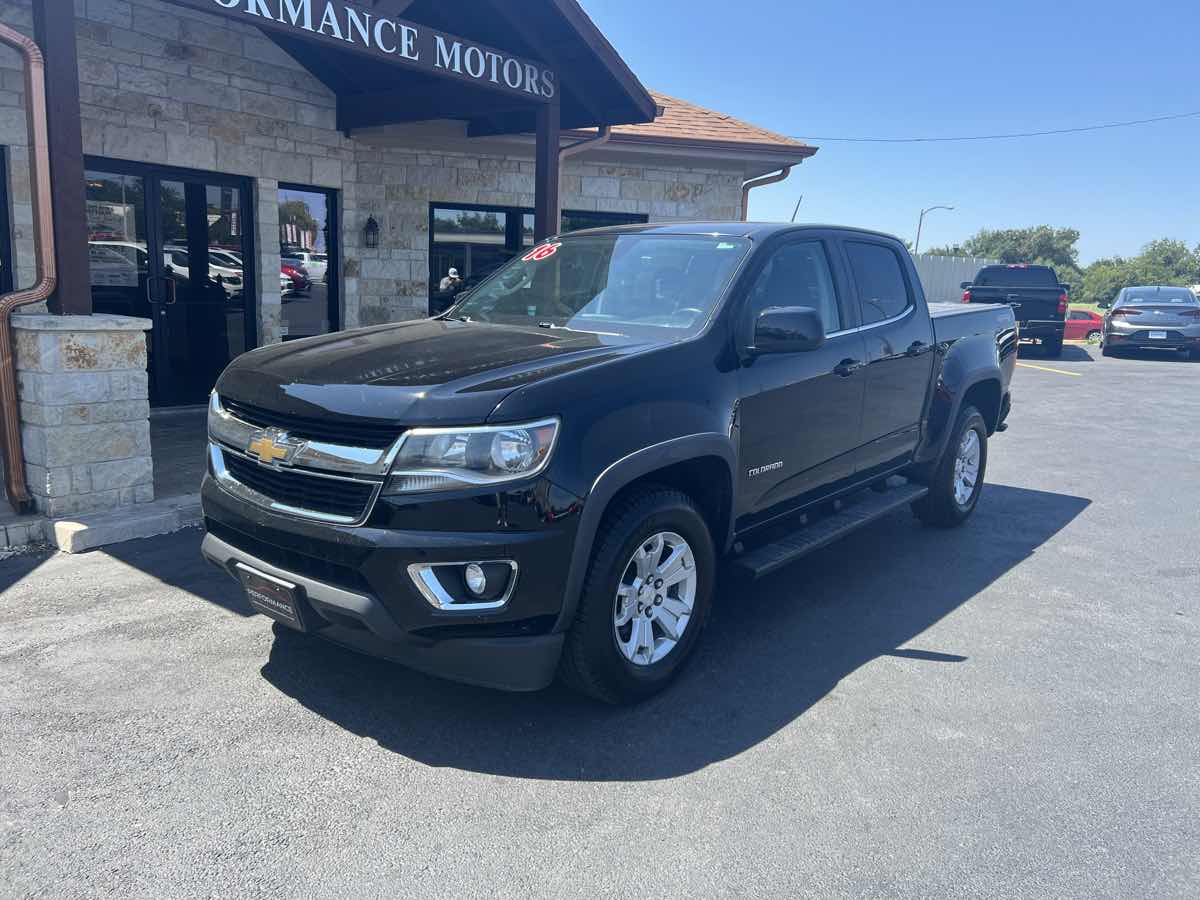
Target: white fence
942	276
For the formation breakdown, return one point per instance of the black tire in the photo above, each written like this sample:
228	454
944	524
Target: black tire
1105	351
1094	336
592	663
939	507
1053	347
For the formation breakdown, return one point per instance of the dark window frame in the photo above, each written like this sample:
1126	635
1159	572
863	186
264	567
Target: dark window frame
748	313
333	247
909	291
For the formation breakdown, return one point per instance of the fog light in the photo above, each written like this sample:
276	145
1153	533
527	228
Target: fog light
476	580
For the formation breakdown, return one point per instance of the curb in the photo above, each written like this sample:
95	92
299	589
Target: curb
76	535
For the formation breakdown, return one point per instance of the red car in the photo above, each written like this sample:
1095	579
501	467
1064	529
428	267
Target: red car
1083	325
299	276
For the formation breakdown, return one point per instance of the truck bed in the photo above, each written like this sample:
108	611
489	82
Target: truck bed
952	321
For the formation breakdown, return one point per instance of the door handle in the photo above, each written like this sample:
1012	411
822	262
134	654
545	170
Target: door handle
917	348
170	282
847	367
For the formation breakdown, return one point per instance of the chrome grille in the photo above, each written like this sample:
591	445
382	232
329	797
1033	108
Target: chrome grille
341	497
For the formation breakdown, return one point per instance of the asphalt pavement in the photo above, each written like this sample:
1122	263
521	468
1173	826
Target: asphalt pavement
1006	710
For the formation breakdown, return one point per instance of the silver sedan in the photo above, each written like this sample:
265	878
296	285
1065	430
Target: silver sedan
1153	318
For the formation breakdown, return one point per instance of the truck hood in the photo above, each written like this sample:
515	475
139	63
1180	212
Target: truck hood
427	372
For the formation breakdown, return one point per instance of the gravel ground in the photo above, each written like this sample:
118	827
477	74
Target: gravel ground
1007	710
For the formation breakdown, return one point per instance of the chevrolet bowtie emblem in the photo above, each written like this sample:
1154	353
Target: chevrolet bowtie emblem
272	448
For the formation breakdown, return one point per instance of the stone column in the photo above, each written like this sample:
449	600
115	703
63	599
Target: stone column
85	411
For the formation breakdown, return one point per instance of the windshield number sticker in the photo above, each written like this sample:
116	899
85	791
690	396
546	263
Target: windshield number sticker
539	253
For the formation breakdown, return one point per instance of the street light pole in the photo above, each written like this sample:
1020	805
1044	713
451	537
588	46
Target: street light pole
921	223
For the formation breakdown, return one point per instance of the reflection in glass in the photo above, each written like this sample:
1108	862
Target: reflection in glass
308	293
116	227
476	242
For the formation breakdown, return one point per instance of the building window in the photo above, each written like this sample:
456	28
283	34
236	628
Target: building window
308	262
7	280
474	241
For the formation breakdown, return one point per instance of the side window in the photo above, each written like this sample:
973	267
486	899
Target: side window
798	275
882	290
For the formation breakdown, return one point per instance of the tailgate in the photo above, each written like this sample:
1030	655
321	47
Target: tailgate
1028	304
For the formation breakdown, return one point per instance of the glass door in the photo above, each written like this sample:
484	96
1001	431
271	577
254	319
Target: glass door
174	246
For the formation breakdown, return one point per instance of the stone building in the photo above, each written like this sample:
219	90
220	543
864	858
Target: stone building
249	177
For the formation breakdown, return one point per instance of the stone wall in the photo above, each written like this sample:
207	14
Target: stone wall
166	84
84	411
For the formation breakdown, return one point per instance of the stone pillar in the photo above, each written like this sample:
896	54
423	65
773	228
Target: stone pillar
85	411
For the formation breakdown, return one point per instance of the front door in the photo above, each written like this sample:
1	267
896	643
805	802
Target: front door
174	247
800	417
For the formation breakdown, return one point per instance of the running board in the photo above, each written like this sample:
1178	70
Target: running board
864	509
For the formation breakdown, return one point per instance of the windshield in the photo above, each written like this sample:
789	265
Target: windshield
1157	295
1017	276
630	284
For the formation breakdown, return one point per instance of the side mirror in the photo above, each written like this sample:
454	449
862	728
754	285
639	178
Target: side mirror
965	285
788	329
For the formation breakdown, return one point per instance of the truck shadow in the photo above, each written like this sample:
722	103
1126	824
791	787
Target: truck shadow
772	650
1070	353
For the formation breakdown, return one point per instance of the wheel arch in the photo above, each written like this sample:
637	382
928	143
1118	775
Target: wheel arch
701	466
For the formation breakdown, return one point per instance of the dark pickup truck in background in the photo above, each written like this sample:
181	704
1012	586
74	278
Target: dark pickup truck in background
542	480
1038	299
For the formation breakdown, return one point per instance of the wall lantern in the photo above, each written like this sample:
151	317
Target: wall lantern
371	233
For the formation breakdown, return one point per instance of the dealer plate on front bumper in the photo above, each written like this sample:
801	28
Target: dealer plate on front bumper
272	596
1158	335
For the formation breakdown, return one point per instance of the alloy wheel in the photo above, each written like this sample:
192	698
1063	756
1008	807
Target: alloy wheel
966	467
655	598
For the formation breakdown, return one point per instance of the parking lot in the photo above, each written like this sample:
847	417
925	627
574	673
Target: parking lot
1006	710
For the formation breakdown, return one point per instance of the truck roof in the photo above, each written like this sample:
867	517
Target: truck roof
753	230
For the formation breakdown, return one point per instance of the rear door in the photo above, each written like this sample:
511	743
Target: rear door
801	413
899	343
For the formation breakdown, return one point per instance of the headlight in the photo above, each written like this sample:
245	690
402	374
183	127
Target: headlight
434	459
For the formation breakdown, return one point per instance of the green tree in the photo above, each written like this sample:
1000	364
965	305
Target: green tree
1040	244
1166	261
1102	280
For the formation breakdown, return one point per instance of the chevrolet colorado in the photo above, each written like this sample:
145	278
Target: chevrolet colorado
542	480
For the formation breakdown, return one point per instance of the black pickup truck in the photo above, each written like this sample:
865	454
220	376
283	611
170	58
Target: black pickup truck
543	479
1038	299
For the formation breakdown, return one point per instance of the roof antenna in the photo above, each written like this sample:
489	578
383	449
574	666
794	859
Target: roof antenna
797	211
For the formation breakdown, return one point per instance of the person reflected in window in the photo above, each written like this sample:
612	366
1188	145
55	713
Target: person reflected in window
452	283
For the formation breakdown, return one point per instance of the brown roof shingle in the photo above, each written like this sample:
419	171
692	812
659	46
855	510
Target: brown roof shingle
686	122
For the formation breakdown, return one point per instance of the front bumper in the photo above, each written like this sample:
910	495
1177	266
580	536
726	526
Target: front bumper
356	581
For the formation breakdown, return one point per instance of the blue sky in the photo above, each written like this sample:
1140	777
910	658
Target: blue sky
876	69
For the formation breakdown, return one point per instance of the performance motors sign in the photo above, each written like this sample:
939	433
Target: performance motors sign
354	28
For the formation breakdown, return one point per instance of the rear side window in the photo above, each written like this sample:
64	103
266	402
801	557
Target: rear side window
798	275
1017	276
882	290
